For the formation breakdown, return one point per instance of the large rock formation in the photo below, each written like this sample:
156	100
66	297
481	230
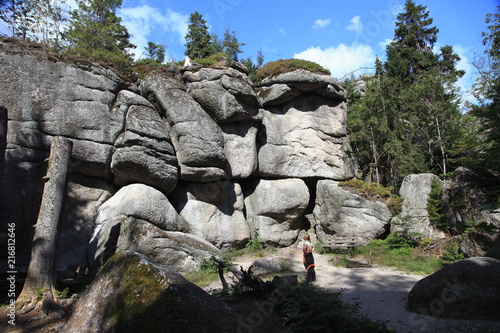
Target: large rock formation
342	213
303	133
134	294
275	209
213	211
466	203
467	289
143	152
178	165
414	217
198	141
141	219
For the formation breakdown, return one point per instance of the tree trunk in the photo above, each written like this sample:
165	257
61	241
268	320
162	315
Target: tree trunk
443	154
3	140
375	156
39	288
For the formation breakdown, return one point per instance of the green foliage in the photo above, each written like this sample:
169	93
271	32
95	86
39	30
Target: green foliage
198	40
397	252
408	121
254	67
62	293
371	190
230	45
275	68
36	20
395	205
435	207
212	60
487	90
313	310
95	32
404	236
452	251
254	244
155	52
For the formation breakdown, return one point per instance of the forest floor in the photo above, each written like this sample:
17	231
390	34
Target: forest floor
380	294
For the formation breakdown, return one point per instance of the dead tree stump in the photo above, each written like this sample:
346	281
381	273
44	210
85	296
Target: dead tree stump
39	288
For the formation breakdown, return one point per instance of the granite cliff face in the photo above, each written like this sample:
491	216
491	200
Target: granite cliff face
181	163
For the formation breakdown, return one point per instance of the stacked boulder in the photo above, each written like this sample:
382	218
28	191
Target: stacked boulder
180	164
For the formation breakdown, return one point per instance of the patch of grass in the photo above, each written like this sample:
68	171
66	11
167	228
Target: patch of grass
275	68
309	309
217	59
401	256
374	191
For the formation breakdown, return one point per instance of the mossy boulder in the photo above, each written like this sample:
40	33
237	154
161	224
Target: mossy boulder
467	289
133	294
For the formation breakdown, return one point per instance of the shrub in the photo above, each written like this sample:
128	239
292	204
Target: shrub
275	68
254	244
435	209
212	60
451	252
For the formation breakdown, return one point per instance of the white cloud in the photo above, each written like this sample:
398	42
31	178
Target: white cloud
466	81
141	21
384	44
356	25
282	31
342	59
321	23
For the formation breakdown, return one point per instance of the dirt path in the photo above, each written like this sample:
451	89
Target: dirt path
379	292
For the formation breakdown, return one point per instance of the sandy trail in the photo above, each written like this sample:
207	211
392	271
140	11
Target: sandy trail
379	292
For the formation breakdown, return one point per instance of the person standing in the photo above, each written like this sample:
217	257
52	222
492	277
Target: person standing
308	258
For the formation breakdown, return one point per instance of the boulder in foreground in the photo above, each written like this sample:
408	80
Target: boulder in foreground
468	289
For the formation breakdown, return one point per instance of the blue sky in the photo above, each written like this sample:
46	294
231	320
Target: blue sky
343	36
340	35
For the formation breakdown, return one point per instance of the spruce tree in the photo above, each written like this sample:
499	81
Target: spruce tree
95	32
198	40
409	117
487	88
230	45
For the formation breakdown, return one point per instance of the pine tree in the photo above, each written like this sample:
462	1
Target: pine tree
19	15
230	45
95	32
38	20
410	53
487	88
409	118
155	52
198	40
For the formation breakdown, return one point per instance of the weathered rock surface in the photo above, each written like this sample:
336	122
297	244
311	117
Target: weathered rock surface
467	289
414	217
143	152
342	213
46	98
213	211
305	138
227	95
306	82
179	250
267	266
140	218
240	146
54	99
84	198
198	141
465	200
275	209
133	294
